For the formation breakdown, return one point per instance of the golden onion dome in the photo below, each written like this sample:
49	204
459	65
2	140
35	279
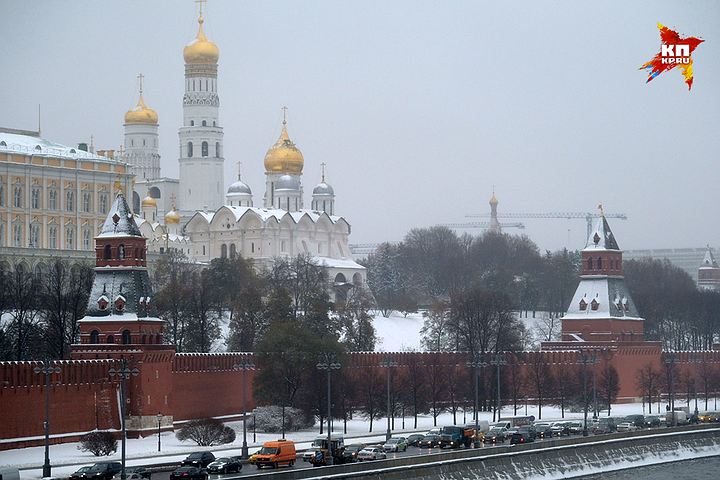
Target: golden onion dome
493	200
149	202
141	114
284	156
172	217
201	50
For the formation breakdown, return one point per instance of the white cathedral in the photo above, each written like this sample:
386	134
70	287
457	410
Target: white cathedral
196	215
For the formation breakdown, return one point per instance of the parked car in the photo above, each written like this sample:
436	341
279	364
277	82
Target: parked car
412	440
395	444
637	420
225	465
652	421
350	453
707	417
429	441
276	453
142	471
189	473
80	473
371	453
103	471
198	459
523	435
626	427
544	430
495	435
576	428
561	428
604	425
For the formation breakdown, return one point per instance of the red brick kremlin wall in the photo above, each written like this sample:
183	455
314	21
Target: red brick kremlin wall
187	386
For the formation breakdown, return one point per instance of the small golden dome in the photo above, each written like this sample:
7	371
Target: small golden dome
201	50
284	156
149	202
172	217
141	114
493	200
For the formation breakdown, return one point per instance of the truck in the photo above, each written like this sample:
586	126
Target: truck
321	452
676	417
455	437
517	421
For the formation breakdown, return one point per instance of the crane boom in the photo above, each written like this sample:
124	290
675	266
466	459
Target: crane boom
566	215
482	225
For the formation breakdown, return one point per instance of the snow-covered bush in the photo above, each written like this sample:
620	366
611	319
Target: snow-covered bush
270	419
206	432
98	443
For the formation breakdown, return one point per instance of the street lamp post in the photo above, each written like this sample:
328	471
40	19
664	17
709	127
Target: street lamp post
123	373
476	363
328	362
670	360
244	367
497	361
159	419
47	370
696	359
388	363
585	360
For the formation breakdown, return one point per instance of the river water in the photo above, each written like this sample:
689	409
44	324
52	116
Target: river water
700	469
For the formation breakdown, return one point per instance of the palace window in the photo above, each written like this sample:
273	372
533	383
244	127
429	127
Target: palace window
35	198
17	235
34	236
204	149
70	238
103	203
69	200
2	233
2	194
52	236
17	196
87	202
86	239
52	199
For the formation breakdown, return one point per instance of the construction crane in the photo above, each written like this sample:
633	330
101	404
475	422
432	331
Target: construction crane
588	216
482	225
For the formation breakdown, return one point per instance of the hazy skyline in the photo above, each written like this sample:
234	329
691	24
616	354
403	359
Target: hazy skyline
418	108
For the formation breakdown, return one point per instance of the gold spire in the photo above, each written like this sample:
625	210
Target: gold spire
284	156
141	114
201	50
493	200
172	217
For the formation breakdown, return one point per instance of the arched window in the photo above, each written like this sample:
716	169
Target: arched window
223	251
70	238
52	237
86	239
189	150
590	264
143	339
217	149
94	336
121	252
126	337
192	123
17	196
233	250
52	199
107	252
110	339
70	201
158	339
599	263
204	149
204	123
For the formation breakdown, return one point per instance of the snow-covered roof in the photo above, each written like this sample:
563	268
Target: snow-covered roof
709	260
601	237
32	145
338	263
120	222
611	296
266	214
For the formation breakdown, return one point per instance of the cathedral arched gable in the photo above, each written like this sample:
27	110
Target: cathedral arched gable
342	226
198	223
250	220
223	220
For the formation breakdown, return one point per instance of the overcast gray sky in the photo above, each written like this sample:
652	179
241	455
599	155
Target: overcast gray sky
417	107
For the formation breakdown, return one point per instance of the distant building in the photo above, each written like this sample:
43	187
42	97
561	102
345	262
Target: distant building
687	259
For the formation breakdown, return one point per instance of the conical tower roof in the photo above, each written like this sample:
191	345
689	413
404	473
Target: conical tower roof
120	221
601	237
709	259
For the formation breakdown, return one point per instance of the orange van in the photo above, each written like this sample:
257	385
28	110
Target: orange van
276	452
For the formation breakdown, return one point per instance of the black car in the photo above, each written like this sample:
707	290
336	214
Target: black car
80	473
225	465
350	452
198	459
544	430
142	471
523	435
652	421
414	439
495	435
103	471
429	441
637	420
189	473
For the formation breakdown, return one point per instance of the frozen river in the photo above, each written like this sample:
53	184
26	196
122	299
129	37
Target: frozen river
699	469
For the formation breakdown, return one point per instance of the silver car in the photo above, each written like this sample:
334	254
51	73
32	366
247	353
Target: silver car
371	453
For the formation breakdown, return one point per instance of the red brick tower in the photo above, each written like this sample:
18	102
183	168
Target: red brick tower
119	321
709	272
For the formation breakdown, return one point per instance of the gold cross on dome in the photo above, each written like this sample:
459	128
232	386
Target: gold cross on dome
200	3
284	109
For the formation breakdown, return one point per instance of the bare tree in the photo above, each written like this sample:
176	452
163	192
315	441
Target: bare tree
23	301
542	378
647	380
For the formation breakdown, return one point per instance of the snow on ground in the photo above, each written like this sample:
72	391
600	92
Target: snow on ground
398	333
143	451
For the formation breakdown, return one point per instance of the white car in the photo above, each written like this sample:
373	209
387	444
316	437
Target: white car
626	427
371	453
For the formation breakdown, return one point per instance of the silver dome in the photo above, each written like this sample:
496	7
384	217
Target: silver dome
287	182
323	189
239	187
